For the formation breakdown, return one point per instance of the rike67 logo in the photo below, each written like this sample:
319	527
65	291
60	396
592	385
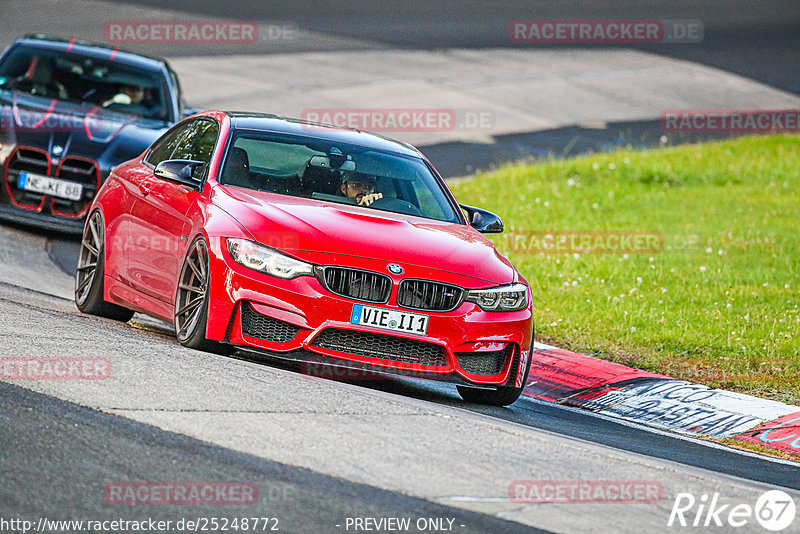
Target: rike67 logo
774	511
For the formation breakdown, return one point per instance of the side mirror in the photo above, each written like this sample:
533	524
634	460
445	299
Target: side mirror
178	171
483	221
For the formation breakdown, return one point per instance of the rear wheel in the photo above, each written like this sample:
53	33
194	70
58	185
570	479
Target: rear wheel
502	396
89	274
191	301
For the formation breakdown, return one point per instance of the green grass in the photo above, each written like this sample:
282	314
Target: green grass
718	304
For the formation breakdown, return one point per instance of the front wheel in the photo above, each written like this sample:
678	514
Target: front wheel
89	274
191	301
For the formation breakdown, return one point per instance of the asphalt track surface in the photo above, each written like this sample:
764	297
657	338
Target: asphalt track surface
759	40
68	453
58	456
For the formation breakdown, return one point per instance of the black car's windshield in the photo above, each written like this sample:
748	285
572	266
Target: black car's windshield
80	79
335	172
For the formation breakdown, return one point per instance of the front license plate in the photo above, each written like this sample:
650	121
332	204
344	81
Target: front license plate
38	183
397	321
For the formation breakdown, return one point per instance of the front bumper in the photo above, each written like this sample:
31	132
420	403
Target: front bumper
299	319
45	221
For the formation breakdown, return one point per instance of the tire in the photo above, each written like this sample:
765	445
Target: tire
191	302
502	396
89	274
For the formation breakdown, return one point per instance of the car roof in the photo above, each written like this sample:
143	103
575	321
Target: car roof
93	50
273	123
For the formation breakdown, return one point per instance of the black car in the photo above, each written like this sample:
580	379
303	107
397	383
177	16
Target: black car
70	112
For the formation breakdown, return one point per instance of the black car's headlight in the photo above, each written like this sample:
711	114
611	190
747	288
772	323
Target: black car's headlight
266	260
500	299
5	150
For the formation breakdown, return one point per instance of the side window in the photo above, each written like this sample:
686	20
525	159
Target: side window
163	148
197	144
198	141
195	141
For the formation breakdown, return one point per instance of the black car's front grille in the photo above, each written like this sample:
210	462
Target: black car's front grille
257	325
72	169
384	347
430	296
30	160
84	172
484	363
356	284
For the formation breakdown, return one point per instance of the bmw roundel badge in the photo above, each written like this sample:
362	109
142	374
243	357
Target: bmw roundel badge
394	268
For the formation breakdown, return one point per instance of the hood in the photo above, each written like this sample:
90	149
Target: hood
65	128
304	228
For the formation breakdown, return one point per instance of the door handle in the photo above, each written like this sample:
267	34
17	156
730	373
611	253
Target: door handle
144	189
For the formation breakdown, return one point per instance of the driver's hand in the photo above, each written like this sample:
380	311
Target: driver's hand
366	200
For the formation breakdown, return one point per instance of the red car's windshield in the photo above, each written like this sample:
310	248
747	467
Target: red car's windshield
335	172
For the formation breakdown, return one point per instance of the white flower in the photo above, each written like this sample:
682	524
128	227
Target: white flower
709	250
595	166
612	166
633	329
570	182
702	268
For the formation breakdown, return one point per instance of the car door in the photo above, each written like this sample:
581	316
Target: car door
128	237
159	216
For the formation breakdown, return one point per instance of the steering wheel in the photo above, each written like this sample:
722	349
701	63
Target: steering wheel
396	205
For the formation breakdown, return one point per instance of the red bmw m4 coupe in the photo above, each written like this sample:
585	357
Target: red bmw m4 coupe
311	243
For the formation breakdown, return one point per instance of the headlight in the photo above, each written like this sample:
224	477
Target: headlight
266	260
500	299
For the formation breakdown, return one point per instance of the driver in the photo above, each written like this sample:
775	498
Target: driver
360	187
128	94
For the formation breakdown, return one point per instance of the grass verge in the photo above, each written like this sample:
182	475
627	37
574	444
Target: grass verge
718	302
